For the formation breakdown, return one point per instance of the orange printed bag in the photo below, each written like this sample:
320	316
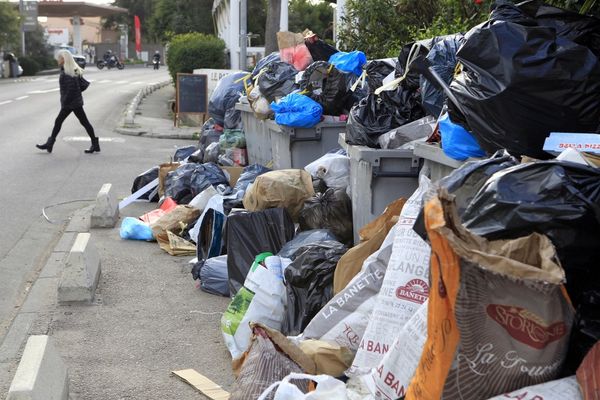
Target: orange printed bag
498	318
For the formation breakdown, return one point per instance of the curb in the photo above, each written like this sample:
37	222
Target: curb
42	373
129	120
142	132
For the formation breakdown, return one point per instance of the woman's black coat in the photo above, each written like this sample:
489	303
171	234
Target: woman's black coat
70	92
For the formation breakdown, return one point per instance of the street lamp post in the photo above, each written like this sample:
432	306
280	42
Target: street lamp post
21	12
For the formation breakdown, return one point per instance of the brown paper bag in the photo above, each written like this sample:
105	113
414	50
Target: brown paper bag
163	170
175	245
287	188
351	262
498	318
330	359
289	39
372	228
176	220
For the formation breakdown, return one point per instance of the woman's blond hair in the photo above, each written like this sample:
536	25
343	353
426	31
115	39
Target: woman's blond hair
70	66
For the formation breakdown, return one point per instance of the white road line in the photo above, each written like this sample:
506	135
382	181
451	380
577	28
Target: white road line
138	83
105	81
5	102
21	98
43	91
122	82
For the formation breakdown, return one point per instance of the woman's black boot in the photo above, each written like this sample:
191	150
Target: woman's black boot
47	146
95	146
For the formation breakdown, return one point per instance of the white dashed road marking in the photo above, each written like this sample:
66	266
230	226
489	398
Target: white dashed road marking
21	98
5	102
43	91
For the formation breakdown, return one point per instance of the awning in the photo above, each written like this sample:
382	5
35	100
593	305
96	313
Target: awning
76	8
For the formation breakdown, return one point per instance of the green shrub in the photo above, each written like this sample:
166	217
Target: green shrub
30	66
189	51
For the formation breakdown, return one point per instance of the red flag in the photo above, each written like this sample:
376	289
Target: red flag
138	34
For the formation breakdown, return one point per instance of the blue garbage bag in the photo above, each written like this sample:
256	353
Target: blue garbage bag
457	142
133	228
298	111
349	62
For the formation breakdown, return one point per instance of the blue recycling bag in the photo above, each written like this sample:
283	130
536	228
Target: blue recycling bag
298	111
133	228
457	142
349	62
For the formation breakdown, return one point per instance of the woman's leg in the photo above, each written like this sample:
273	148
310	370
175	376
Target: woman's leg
62	115
80	114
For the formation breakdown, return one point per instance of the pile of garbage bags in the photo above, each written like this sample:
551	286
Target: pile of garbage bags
481	278
478	286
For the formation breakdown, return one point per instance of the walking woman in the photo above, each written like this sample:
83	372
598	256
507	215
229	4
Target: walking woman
71	85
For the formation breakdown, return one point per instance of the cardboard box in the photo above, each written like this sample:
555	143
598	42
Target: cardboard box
234	174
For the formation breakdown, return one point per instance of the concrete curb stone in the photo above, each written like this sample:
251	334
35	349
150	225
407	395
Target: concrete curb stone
42	374
81	272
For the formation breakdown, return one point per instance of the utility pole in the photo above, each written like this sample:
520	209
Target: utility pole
243	33
21	12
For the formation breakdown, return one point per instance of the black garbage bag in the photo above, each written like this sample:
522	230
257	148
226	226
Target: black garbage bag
233	119
377	71
212	274
190	179
184	152
320	50
306	238
209	134
330	210
319	185
465	182
177	183
265	61
555	198
408	53
309	283
443	61
251	233
581	29
327	86
223	98
586	330
278	80
521	79
248	176
376	115
142	180
209	242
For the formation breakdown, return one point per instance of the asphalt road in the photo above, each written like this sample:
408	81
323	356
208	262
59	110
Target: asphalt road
32	179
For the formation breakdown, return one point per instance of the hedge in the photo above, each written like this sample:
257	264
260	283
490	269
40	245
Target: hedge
30	66
189	51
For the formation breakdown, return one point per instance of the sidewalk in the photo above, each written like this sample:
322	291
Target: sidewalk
154	119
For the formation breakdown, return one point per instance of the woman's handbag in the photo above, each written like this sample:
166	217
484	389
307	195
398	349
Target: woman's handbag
83	83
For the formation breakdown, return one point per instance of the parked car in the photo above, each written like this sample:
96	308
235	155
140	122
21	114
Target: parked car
79	59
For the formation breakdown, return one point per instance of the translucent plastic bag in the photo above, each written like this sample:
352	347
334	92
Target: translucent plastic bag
349	62
133	228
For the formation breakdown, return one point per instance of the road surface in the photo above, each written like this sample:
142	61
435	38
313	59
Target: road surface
32	179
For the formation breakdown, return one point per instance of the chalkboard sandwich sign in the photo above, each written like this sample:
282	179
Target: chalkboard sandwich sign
191	94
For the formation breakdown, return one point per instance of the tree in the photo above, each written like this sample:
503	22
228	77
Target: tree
141	8
9	26
373	27
180	16
257	20
273	16
306	14
37	47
